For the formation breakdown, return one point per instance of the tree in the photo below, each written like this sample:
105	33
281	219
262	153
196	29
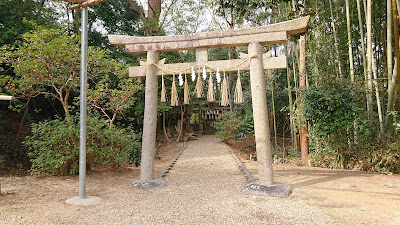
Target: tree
14	15
47	62
113	17
113	95
151	20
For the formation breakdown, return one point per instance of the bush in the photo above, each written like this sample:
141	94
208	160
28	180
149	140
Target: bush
227	125
332	107
54	146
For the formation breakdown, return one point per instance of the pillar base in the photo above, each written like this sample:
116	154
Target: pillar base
156	183
89	200
275	190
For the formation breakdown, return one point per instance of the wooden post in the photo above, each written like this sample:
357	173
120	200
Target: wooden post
150	119
260	114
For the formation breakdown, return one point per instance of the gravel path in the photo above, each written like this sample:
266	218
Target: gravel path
204	187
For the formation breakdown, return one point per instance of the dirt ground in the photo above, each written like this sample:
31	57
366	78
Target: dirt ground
348	197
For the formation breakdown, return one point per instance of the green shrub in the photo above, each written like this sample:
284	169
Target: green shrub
227	125
332	108
385	159
247	124
54	146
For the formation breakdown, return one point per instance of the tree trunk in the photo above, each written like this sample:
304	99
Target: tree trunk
113	119
22	122
335	39
153	17
349	41
164	128
76	22
180	130
65	107
302	78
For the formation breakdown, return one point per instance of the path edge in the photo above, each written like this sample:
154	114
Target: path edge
253	187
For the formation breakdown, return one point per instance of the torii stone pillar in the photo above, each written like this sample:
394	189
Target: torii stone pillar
265	185
260	115
149	126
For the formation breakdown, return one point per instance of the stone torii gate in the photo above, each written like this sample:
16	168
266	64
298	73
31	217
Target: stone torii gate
254	38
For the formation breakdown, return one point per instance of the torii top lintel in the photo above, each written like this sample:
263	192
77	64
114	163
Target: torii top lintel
269	34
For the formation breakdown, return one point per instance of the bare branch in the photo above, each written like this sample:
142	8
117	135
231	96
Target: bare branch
166	13
102	110
136	9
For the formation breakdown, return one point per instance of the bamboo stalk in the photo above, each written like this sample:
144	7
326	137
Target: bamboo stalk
396	42
378	99
391	90
362	38
271	83
349	42
292	124
335	39
389	48
369	59
294	73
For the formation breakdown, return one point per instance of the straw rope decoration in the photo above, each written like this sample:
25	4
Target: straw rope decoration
210	93
199	86
163	92
224	92
238	97
174	93
201	65
186	96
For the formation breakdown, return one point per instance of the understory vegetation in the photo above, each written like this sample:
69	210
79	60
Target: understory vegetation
54	146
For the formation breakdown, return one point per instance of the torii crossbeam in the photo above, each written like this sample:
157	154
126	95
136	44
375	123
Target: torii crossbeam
254	38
